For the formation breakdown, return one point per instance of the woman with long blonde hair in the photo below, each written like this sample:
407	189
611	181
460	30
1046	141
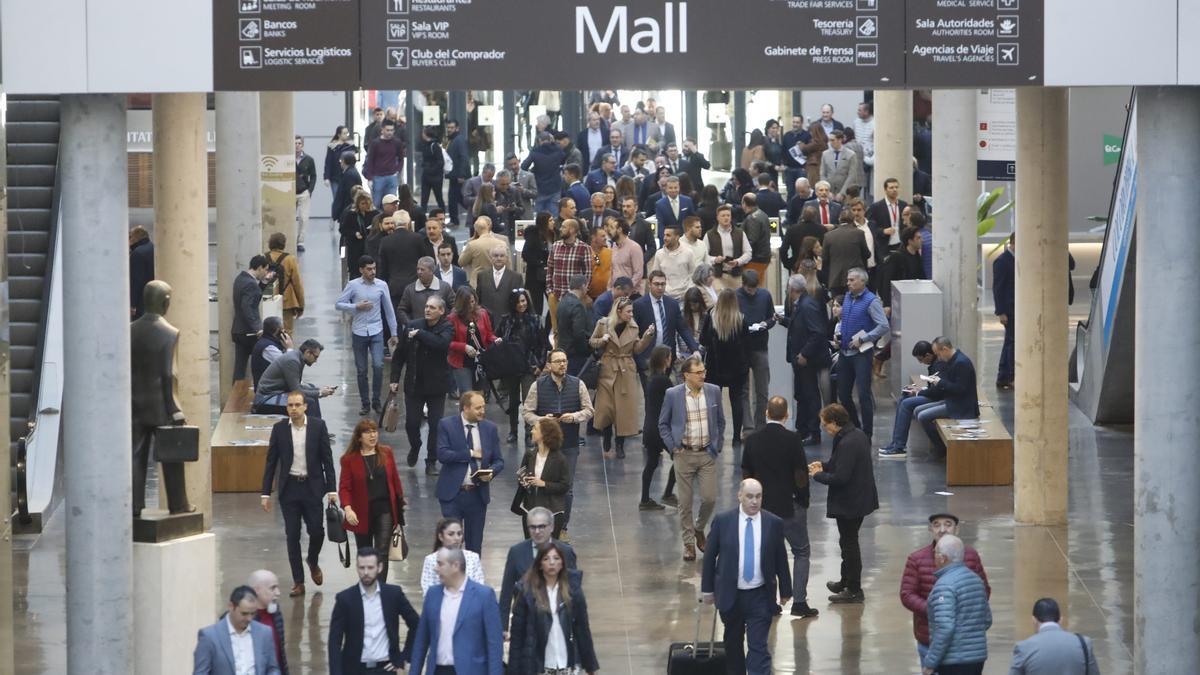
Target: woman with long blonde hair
724	337
619	392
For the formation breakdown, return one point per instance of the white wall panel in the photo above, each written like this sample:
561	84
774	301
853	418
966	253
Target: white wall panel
1111	42
1189	44
149	45
44	46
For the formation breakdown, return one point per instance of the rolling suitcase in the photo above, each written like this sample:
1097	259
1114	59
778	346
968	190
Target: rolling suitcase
696	657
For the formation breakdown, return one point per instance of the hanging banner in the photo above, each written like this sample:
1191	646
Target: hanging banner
996	151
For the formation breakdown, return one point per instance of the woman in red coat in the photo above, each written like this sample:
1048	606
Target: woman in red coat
370	491
472	335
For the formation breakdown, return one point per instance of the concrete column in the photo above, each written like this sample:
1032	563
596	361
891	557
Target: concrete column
1040	440
181	260
6	506
413	128
277	167
956	246
893	141
96	385
239	211
1166	428
738	128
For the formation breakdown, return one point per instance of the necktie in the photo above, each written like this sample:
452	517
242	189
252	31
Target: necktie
471	444
658	321
824	213
748	551
892	209
836	154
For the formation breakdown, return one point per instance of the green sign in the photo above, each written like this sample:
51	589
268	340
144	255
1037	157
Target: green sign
1112	149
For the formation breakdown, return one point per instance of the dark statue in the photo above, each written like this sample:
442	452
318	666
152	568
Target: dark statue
152	341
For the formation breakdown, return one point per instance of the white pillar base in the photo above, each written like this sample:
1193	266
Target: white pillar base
172	600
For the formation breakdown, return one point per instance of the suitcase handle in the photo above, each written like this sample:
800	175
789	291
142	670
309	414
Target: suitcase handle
712	637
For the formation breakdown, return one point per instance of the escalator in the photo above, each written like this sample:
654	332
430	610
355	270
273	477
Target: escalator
32	134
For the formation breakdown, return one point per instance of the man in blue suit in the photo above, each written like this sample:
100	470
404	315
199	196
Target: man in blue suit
475	645
468	446
660	310
603	304
744	560
808	352
573	175
215	651
692	427
602	175
672	208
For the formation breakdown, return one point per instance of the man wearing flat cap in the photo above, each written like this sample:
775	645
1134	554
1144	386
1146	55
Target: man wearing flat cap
919	576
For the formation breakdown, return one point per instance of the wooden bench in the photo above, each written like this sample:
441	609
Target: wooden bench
981	458
239	443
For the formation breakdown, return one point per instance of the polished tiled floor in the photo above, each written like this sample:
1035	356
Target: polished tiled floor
642	596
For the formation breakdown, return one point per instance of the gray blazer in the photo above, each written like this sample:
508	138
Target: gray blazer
1054	651
838	173
494	298
246	296
673	418
214	650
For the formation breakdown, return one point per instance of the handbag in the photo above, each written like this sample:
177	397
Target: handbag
177	443
391	414
503	360
336	531
398	550
590	372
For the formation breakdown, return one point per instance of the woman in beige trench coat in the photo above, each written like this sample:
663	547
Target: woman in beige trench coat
619	391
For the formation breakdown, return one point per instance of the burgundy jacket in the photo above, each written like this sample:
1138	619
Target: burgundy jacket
352	488
918	582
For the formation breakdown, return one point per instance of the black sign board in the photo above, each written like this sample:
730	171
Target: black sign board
584	44
981	43
285	45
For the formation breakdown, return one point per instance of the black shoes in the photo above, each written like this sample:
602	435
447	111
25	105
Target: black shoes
802	610
431	470
650	505
512	437
847	597
834	586
670	500
377	406
620	448
812	441
412	457
364	411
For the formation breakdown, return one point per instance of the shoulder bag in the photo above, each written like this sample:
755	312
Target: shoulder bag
336	531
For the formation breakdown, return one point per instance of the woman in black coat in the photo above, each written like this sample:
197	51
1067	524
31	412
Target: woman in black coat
724	338
520	326
545	474
850	475
535	254
354	226
548	587
656	390
338	145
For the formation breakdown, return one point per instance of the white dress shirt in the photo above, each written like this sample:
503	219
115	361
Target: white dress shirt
866	230
375	640
451	601
756	525
894	219
243	649
446	275
556	643
472	442
299	450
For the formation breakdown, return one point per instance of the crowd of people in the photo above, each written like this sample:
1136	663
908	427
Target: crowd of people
640	309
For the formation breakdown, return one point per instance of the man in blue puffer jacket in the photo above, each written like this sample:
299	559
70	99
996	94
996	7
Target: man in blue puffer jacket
959	615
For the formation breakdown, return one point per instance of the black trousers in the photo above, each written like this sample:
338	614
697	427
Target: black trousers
454	196
297	504
808	400
243	346
961	669
379	533
851	553
171	474
431	184
737	403
414	405
654	449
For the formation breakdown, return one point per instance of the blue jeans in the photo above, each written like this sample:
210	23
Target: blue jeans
922	650
372	344
928	415
382	186
464	380
548	203
904	416
854	374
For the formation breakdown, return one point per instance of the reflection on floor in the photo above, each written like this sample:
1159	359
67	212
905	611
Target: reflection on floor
642	595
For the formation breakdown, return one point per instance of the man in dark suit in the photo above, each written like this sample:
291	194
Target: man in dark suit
141	267
447	271
592	138
575	323
884	216
573	175
694	162
666	130
800	192
435	235
247	323
743	562
496	285
603	175
215	654
774	456
540	522
1004	269
616	147
299	451
467	445
660	310
768	200
593	218
672	208
808	353
828	210
425	343
843	249
603	304
398	256
364	631
793	157
955	384
476	646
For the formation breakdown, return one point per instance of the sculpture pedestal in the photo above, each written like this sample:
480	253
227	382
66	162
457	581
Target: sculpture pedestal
156	527
172	600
